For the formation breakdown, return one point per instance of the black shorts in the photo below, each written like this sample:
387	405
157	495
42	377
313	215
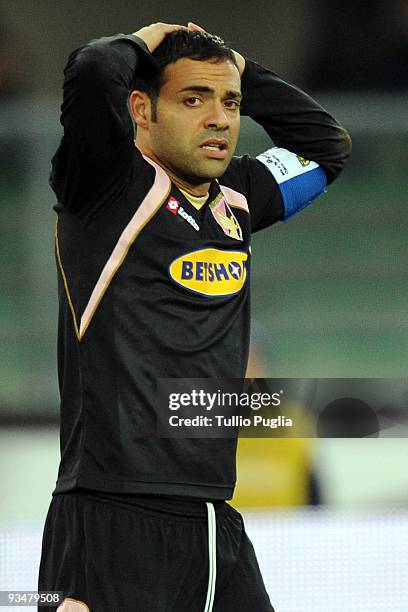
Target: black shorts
155	555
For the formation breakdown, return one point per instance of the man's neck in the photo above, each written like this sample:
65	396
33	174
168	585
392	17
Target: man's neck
195	190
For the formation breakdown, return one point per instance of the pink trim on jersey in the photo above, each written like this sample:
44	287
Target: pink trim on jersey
234	198
149	206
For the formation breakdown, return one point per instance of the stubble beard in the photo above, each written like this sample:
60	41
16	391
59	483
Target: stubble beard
201	171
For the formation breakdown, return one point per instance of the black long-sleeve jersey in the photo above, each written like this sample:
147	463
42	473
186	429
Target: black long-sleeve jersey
151	287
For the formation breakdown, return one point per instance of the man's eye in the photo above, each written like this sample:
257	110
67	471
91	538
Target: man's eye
233	104
194	101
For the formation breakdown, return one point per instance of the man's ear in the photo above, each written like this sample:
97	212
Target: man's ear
140	108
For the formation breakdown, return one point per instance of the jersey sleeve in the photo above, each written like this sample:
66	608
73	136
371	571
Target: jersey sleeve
90	165
308	152
264	198
299	180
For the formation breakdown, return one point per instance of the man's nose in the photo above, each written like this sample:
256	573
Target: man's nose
217	117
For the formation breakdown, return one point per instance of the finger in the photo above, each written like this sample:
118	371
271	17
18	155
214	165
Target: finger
194	27
174	28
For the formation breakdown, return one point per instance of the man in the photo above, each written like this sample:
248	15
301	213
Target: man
153	252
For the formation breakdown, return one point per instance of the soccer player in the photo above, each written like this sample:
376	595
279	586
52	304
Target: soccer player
153	256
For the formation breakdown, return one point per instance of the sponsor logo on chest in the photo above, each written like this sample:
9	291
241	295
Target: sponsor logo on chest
175	208
211	272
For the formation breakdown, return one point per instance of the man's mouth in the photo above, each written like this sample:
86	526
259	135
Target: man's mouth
215	144
215	148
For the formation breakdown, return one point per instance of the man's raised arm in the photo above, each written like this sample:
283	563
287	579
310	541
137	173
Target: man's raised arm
98	131
294	120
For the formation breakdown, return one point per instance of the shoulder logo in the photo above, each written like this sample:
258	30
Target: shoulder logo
303	161
175	208
225	218
285	165
211	272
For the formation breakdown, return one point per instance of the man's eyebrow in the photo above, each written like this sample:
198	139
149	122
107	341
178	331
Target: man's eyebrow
204	89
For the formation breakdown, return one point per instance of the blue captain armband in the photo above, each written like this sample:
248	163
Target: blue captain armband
300	181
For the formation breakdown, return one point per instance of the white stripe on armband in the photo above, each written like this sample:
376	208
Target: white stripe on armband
300	180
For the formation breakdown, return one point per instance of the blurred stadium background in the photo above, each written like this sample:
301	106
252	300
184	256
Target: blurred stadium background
328	517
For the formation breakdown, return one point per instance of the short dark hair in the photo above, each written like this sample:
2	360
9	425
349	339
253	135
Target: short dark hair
199	46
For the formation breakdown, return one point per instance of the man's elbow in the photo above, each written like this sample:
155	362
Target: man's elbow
342	147
345	143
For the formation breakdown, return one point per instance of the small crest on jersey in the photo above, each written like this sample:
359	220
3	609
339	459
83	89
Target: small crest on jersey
173	205
225	218
303	161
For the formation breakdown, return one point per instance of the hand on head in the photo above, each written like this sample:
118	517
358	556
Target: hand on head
155	33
